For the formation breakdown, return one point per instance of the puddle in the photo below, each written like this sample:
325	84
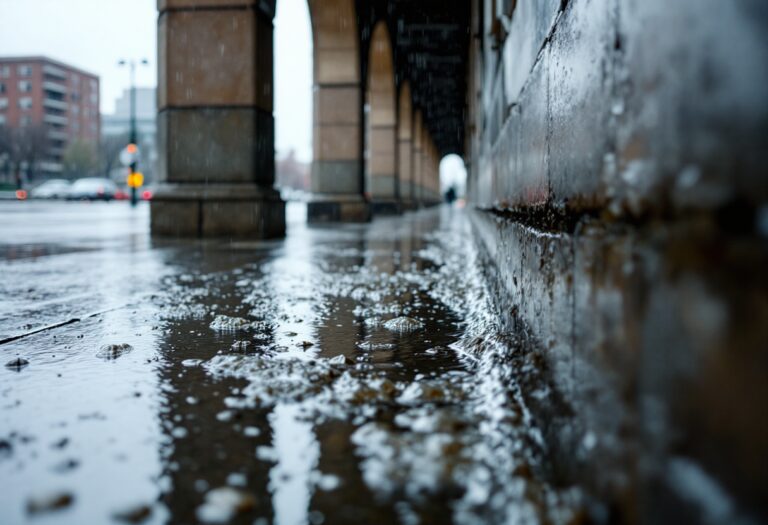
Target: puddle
350	374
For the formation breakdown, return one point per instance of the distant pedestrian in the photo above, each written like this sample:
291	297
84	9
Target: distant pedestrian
450	195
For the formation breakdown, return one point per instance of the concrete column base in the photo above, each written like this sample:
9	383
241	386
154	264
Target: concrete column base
385	207
217	210
338	208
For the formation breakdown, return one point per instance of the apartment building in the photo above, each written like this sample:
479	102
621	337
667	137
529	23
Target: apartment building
52	96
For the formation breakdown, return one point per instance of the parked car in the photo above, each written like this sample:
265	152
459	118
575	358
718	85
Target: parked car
144	193
122	193
92	188
147	192
51	189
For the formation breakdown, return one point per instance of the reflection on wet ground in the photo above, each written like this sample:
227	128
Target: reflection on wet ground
348	374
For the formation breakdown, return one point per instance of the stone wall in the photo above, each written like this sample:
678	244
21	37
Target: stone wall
618	157
629	106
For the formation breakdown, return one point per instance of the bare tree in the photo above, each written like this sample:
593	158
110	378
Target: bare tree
22	149
80	158
109	152
5	152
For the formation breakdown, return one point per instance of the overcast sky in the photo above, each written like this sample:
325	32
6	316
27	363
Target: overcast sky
94	34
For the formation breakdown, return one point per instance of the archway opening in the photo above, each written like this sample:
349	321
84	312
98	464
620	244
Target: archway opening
453	174
381	120
293	65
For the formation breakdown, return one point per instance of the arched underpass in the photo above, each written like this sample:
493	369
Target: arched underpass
583	341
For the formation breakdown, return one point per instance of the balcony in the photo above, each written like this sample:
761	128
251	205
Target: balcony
55	72
55	87
55	119
55	104
56	134
51	167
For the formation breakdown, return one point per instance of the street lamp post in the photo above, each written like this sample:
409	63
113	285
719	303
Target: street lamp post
133	133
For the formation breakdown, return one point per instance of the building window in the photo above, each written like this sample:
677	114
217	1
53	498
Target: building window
2	87
24	70
25	86
25	120
2	120
75	110
25	102
94	98
5	71
3	102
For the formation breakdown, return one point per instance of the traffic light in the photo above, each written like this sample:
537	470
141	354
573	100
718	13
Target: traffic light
135	180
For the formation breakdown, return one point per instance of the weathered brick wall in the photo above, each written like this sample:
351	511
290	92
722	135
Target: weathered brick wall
619	166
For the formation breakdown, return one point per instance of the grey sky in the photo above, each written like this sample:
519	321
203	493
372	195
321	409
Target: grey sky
94	34
90	34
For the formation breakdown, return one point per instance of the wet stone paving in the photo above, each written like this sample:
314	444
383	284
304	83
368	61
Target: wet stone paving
346	374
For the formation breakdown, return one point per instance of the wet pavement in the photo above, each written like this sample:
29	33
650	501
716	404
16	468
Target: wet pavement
346	374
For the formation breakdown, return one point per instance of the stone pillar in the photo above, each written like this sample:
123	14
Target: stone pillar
337	164
215	123
430	170
424	182
436	173
426	169
405	148
381	170
381	161
418	135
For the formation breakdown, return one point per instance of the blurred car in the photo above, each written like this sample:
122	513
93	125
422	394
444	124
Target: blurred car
122	193
146	193
92	188
51	189
292	194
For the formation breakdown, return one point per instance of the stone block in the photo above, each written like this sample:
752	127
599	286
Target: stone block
505	180
336	105
336	66
381	187
338	209
208	58
532	177
382	109
336	142
581	102
531	24
692	129
405	164
262	219
336	177
381	150
217	210
216	145
162	5
175	218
